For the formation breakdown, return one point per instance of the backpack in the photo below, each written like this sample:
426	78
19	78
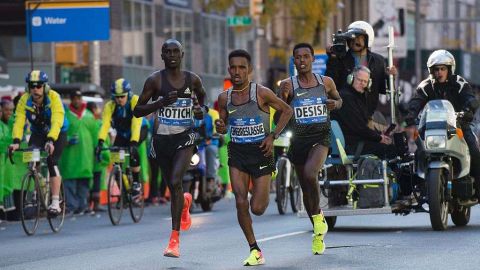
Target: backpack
370	195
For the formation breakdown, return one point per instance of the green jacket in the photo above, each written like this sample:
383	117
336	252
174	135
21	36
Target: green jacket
78	156
5	140
105	156
13	173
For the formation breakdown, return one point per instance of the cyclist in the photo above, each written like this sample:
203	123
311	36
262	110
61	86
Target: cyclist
118	114
44	110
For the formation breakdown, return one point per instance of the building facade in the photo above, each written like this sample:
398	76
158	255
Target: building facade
138	29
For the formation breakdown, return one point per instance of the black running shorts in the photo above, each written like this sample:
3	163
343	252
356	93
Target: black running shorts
165	147
301	146
249	158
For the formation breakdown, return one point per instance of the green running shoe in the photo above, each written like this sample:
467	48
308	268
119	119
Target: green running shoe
320	225
255	258
320	229
318	246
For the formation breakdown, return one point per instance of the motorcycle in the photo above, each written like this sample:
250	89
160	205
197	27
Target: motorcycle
442	164
438	174
195	181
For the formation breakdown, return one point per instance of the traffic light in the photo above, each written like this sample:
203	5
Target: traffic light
257	8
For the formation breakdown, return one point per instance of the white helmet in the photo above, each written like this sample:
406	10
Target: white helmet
364	28
441	57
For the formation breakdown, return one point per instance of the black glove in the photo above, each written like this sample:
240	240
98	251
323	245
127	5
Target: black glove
468	116
98	150
134	157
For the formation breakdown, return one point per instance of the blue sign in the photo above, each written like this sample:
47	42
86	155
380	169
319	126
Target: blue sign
67	21
319	66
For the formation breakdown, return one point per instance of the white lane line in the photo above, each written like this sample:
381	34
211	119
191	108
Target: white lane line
194	215
280	236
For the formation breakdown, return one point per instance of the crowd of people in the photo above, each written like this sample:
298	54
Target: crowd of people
306	102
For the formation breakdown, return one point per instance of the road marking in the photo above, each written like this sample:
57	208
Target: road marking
281	236
193	215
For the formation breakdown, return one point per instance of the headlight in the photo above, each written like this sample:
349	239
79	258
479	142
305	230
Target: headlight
195	160
436	142
288	134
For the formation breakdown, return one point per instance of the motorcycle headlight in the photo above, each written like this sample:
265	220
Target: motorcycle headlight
436	142
195	160
288	134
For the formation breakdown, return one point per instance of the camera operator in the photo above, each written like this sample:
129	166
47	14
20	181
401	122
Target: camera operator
359	38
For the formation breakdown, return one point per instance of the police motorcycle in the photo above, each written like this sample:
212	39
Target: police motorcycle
287	187
438	173
195	181
442	164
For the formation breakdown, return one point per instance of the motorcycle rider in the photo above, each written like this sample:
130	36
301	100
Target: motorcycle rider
443	83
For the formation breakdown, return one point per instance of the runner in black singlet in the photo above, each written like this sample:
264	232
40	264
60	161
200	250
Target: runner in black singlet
312	97
177	97
245	109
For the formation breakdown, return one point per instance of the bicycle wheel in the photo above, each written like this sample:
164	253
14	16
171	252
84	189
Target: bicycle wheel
30	203
56	221
281	189
295	192
136	203
114	194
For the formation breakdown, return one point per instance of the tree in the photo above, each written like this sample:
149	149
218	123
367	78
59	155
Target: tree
310	16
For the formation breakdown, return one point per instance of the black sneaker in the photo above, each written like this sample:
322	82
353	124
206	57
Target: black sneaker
136	189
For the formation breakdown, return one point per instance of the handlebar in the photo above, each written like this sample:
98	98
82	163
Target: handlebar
115	148
10	152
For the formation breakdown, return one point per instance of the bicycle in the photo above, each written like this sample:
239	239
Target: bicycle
119	189
286	180
36	192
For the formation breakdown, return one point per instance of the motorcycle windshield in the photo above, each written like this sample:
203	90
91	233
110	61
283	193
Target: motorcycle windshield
438	111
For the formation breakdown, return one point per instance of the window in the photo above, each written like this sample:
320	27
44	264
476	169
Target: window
214	41
137	34
16	49
178	24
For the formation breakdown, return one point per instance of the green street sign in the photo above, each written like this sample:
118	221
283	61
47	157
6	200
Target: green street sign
239	20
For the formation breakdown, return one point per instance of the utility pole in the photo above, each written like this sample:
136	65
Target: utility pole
95	62
418	65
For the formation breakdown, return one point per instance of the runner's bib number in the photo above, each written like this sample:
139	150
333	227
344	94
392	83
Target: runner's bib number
310	110
246	130
177	114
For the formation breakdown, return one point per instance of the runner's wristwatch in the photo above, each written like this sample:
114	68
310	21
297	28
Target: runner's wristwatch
275	135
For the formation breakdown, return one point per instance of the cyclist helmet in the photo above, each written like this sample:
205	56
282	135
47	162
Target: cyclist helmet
363	28
441	57
121	87
36	77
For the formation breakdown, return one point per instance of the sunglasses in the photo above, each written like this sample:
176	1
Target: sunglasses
120	97
35	85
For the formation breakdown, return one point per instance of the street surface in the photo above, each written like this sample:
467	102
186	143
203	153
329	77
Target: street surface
215	241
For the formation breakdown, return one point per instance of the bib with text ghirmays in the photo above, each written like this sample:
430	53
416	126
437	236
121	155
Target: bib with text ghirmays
310	110
179	113
246	130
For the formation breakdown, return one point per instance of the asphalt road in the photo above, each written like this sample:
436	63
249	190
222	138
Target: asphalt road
215	241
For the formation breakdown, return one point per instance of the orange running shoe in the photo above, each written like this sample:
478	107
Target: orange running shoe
172	250
186	220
